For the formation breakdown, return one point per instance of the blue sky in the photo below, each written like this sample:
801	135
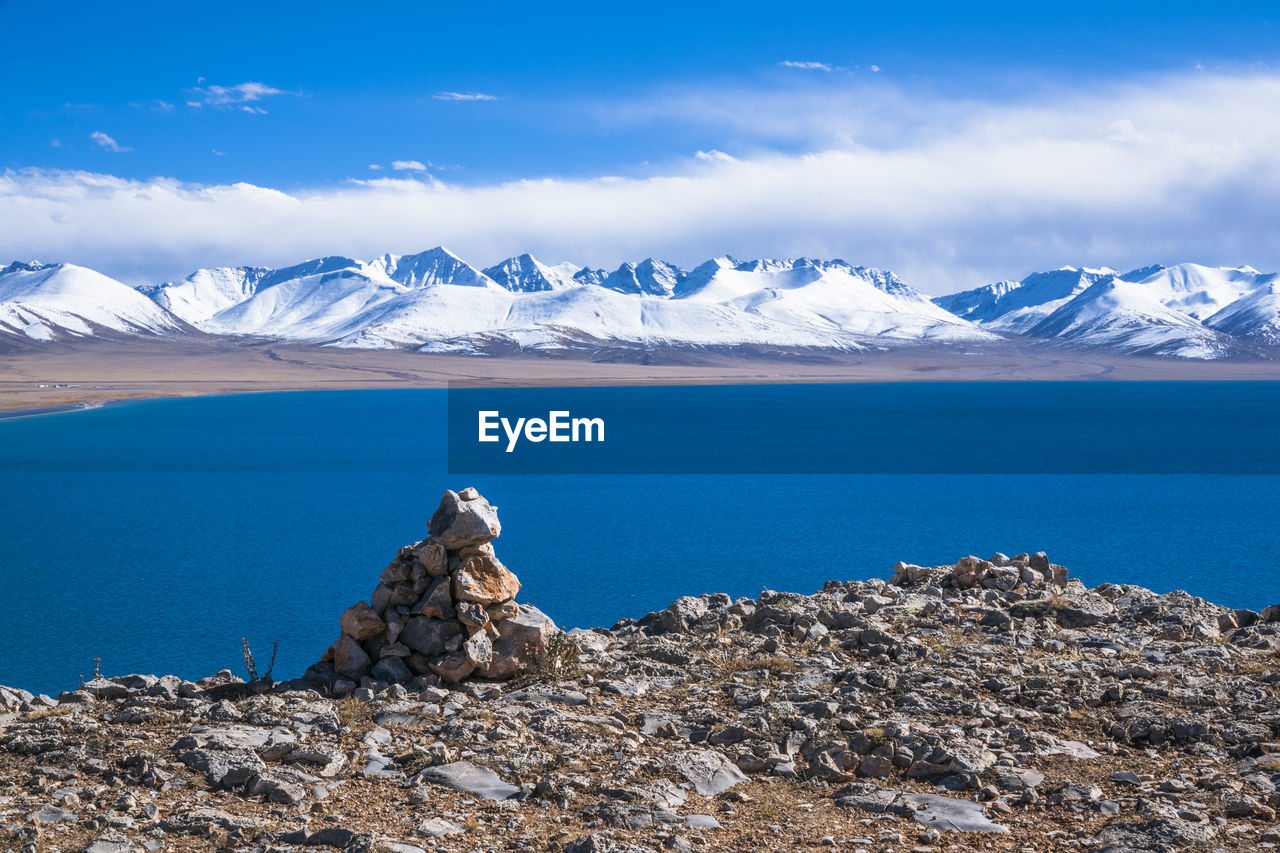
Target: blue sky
303	98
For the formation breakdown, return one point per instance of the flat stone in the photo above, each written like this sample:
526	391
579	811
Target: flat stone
438	827
709	771
111	842
204	821
542	694
472	778
1161	835
947	813
50	815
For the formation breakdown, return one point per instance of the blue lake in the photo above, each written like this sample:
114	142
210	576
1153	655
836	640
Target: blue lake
155	535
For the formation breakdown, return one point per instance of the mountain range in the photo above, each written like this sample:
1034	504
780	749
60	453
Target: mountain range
436	302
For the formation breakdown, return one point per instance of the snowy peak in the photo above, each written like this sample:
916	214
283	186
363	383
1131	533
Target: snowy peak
1015	307
1199	291
525	274
52	301
1129	317
206	292
434	266
651	277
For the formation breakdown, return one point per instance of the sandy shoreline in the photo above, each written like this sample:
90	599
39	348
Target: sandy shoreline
70	377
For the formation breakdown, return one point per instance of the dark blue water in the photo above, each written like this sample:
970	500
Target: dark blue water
155	535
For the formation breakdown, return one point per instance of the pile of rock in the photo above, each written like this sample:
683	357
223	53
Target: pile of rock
444	609
999	573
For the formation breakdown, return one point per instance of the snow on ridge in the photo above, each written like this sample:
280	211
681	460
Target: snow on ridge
436	301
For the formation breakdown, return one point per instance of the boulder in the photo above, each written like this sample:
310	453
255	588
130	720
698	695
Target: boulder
484	579
523	641
429	636
468	777
459	521
361	622
349	658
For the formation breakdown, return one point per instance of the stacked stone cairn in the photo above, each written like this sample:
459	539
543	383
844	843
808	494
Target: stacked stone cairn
444	610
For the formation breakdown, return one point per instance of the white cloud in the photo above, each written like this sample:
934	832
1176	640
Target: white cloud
464	96
234	96
948	193
808	66
714	156
875	68
375	167
408	166
107	142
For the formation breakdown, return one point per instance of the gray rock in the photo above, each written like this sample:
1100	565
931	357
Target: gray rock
523	642
50	815
1160	835
429	636
543	694
391	670
111	842
459	522
437	827
350	659
204	821
1084	610
465	776
709	771
230	768
453	667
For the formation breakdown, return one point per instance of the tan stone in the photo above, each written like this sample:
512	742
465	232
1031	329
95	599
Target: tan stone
360	622
485	580
431	555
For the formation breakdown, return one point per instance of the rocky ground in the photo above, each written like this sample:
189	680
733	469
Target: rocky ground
989	705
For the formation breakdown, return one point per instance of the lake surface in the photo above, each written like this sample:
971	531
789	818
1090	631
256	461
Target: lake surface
156	534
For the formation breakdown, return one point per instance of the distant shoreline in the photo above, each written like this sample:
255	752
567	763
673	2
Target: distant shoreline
38	380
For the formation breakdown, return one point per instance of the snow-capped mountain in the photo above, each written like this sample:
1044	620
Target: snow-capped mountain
1016	306
649	276
1129	317
434	266
526	274
206	292
1254	317
436	302
533	305
48	302
1154	310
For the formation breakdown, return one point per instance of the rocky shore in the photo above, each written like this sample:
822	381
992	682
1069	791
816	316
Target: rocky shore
987	705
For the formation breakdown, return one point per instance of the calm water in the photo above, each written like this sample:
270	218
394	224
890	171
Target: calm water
155	535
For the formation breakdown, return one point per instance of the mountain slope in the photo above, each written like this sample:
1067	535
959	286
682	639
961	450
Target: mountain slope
1196	290
207	291
1016	306
1254	317
1129	317
52	301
